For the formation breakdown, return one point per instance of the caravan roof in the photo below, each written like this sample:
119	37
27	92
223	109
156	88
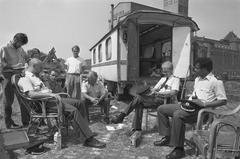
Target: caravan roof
155	17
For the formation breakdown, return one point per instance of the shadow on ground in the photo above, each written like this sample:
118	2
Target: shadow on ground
118	144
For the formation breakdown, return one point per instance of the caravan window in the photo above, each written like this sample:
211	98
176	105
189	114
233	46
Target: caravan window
100	53
108	49
94	56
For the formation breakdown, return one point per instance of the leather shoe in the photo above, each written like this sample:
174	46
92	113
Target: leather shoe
163	142
118	119
92	142
176	154
106	120
12	125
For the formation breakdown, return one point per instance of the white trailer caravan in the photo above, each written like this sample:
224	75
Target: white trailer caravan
140	39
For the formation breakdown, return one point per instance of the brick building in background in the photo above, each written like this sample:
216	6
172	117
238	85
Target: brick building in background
225	54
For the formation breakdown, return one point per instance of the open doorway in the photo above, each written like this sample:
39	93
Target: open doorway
155	42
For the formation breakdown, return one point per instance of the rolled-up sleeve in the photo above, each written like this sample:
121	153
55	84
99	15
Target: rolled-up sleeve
84	88
25	84
2	59
175	84
219	90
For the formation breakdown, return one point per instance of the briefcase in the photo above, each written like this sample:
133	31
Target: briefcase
14	139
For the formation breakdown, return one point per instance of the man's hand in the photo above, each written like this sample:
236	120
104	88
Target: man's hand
54	95
198	102
152	92
94	100
164	94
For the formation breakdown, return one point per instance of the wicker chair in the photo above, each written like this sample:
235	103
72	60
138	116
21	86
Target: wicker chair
37	111
209	141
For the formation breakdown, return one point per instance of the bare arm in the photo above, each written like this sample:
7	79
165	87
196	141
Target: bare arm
86	96
212	104
36	95
168	93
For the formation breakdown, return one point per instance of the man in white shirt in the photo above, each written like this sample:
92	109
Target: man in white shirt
33	87
208	93
167	86
75	66
94	93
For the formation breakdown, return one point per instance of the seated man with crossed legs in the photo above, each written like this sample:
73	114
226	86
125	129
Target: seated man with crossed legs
167	86
32	86
208	93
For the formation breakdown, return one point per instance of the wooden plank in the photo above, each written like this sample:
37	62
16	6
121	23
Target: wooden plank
14	139
136	138
3	153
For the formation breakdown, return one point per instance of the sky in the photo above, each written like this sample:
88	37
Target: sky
65	23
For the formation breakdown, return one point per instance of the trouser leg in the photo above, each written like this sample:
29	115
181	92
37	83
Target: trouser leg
145	102
80	105
164	112
25	117
8	98
77	87
81	125
106	107
180	117
69	84
134	103
137	119
87	103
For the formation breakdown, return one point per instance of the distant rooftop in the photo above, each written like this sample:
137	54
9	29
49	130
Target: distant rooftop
231	36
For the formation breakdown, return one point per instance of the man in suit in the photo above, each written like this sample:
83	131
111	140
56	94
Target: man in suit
167	86
208	92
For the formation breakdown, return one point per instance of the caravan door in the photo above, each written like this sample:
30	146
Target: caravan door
181	46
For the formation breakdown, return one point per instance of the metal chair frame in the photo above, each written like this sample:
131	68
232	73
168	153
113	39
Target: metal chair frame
206	140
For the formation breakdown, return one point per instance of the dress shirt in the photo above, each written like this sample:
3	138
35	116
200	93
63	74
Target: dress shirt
209	89
75	64
96	91
171	84
32	83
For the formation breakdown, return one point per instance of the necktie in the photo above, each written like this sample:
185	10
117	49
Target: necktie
164	83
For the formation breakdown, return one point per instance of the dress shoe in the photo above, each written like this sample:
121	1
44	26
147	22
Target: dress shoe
106	120
12	125
118	119
163	142
92	142
36	149
177	153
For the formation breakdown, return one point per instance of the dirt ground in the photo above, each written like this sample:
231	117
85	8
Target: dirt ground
118	144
